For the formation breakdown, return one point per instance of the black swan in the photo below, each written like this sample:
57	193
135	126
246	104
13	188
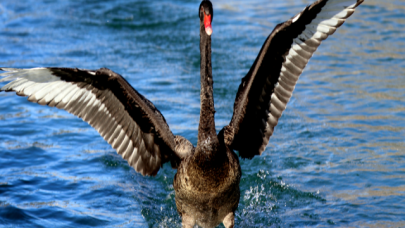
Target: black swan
207	180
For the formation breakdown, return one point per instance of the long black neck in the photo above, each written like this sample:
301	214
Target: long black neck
207	137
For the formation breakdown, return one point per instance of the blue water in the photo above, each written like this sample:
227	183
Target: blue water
337	157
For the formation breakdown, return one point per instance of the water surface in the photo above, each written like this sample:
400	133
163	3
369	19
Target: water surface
336	158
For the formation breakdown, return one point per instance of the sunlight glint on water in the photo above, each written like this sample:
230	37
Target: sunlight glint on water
336	157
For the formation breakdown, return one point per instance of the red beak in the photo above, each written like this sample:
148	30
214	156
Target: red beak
207	24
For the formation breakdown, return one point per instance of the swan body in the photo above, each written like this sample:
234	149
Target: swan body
207	180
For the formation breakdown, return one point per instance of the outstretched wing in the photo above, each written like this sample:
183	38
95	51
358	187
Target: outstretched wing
128	121
266	89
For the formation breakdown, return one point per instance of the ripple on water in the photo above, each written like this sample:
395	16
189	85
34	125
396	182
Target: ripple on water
336	157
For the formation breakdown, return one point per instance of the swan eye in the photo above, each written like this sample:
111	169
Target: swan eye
201	13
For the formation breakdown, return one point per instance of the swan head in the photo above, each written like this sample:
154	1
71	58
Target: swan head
206	14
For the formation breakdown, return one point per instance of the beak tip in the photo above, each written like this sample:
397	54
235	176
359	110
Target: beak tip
208	30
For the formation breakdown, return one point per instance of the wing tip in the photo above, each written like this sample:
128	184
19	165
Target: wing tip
8	69
358	3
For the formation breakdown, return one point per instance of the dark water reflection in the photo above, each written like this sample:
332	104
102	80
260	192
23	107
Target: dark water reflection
336	158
